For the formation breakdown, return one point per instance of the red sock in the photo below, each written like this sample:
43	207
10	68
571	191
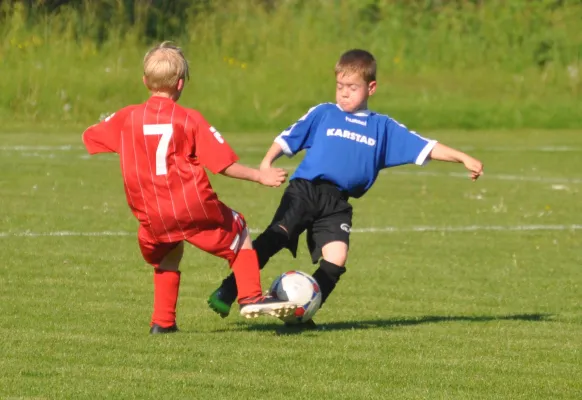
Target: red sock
246	272
166	286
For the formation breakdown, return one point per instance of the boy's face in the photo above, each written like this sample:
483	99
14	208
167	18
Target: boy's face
352	92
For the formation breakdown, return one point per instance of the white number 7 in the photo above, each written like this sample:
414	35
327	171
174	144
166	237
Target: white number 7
166	130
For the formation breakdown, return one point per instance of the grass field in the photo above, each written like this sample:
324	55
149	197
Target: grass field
463	291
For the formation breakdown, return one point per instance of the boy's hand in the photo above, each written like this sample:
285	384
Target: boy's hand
445	153
273	177
265	165
474	166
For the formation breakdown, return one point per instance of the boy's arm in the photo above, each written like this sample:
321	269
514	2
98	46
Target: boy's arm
215	154
208	145
273	177
298	136
104	136
274	152
407	147
444	153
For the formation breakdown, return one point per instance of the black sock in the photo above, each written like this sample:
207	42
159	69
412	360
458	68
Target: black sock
327	276
229	289
267	244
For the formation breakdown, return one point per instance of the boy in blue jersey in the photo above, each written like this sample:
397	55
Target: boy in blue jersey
346	147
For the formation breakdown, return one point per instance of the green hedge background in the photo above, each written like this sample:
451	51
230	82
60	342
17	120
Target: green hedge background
259	65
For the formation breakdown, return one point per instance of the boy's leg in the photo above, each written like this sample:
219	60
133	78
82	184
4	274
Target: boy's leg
290	220
331	267
232	242
328	242
165	257
166	289
246	271
329	239
267	244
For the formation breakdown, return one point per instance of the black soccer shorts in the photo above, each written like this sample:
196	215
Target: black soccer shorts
317	207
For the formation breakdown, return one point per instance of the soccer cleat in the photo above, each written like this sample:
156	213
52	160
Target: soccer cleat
156	329
307	325
266	305
220	302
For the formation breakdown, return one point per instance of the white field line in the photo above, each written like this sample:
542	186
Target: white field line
486	176
66	147
501	177
549	149
386	229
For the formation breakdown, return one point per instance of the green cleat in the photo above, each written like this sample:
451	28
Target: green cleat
220	302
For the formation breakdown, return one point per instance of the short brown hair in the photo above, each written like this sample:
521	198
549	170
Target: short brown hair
163	66
359	62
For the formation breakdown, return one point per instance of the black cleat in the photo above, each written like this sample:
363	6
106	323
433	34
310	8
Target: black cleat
304	326
156	329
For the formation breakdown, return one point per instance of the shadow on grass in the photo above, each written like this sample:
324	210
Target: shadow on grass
280	329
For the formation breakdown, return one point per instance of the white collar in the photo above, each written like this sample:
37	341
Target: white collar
360	113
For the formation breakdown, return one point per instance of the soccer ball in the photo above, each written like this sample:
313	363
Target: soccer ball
300	288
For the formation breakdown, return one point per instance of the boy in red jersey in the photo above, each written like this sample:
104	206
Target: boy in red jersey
163	150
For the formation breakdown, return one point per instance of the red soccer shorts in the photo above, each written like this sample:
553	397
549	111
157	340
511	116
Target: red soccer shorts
224	241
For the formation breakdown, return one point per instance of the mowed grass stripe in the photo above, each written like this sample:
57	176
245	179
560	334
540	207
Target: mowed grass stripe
472	312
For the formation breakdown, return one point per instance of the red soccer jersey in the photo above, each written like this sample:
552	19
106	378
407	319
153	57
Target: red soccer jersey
163	149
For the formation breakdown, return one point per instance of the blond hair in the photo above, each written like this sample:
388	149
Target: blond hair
163	66
358	62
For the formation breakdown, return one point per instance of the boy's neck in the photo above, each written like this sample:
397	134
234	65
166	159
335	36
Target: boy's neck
173	96
362	107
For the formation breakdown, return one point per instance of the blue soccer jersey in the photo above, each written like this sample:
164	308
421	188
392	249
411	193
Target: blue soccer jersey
350	149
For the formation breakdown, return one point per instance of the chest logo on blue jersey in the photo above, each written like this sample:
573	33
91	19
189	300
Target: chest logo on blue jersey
356	137
356	121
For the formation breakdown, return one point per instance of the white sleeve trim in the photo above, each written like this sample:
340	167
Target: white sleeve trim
422	158
284	146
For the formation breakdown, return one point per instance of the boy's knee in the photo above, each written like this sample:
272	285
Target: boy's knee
280	228
270	242
273	235
335	253
245	238
171	262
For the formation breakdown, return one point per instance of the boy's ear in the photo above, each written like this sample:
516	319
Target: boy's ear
144	81
180	85
371	88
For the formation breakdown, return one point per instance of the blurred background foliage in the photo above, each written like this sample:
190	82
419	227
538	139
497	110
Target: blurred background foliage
259	64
